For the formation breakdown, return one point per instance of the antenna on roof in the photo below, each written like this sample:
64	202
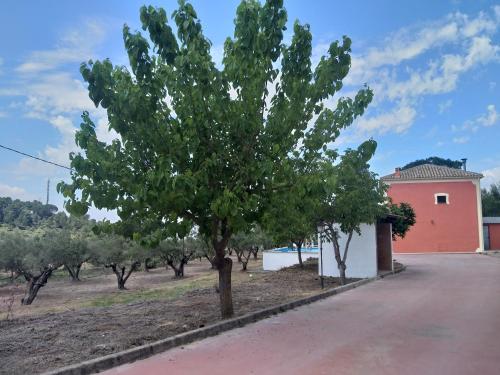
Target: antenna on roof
464	164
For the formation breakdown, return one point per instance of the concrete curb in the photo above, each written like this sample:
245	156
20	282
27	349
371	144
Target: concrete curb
141	352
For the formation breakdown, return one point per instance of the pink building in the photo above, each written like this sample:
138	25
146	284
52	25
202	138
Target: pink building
447	204
491	233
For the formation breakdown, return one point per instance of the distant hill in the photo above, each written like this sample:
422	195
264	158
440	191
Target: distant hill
24	214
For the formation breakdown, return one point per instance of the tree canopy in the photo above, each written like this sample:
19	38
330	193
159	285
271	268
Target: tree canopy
24	213
292	216
405	219
202	145
436	160
491	200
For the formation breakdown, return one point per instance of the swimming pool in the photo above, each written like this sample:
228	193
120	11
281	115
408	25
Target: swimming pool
278	258
294	250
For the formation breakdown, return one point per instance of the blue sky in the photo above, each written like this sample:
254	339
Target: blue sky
434	67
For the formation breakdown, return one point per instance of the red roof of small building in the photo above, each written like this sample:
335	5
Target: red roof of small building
431	172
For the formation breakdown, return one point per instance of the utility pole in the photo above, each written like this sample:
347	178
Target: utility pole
48	186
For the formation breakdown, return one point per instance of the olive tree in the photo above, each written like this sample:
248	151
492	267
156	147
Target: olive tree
33	256
244	245
120	255
74	254
74	234
176	253
201	144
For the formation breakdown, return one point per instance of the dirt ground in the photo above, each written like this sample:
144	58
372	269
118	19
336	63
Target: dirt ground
72	322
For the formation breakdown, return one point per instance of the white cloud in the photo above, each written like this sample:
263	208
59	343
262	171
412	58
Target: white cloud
398	120
55	96
409	43
490	118
491	176
3	114
15	192
76	46
445	106
442	77
399	88
461	140
56	93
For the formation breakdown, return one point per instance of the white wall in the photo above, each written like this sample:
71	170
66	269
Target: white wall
276	260
361	257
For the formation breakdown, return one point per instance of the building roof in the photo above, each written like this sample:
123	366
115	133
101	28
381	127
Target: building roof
491	220
431	172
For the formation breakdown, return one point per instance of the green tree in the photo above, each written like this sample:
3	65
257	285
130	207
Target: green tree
263	240
122	256
436	160
245	244
12	251
404	220
75	252
24	213
354	196
33	256
491	200
204	145
292	215
176	253
75	233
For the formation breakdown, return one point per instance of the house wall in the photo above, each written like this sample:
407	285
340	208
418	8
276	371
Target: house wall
494	232
361	257
452	227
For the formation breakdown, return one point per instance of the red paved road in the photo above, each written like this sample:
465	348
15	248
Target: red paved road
440	316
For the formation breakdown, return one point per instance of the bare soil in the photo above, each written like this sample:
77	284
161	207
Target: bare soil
72	322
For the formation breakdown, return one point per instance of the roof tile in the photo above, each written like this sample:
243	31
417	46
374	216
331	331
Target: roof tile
431	172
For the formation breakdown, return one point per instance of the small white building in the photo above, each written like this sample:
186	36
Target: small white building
368	254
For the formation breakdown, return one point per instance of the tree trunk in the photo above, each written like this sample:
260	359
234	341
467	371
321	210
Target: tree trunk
73	271
224	266
147	266
238	255
178	271
181	269
226	299
34	285
245	257
255	251
77	273
299	253
121	284
212	262
121	277
342	268
340	265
